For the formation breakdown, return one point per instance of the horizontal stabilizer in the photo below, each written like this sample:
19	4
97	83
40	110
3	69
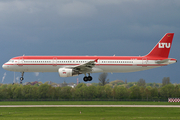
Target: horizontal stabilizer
162	61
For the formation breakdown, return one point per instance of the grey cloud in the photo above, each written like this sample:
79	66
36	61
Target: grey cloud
87	20
77	9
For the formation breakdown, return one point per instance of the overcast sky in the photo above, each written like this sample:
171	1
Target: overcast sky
88	27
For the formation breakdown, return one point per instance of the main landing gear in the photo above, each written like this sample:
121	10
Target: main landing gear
21	78
89	78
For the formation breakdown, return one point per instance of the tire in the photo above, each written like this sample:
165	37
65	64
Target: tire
21	78
85	79
89	78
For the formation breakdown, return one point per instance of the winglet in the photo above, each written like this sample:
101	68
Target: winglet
96	60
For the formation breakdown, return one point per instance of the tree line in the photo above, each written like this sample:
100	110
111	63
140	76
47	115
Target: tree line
92	92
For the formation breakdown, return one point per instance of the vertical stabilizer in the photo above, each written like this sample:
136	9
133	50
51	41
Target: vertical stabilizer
163	47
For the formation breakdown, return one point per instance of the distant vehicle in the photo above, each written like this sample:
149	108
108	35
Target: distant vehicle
68	66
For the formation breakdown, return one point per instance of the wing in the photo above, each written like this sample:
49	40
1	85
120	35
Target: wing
84	68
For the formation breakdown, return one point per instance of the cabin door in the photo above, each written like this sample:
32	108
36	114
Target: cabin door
20	62
144	62
54	62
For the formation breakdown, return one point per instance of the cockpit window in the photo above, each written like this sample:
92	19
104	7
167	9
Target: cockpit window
11	61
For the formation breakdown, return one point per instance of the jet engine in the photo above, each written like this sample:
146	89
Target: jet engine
65	72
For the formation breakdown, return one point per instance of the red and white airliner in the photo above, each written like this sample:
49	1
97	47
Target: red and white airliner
68	66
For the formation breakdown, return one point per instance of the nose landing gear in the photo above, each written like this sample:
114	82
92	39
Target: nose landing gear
21	78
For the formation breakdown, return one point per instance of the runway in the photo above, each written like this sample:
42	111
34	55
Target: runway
173	106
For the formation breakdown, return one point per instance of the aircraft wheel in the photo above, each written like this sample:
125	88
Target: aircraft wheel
85	79
21	78
89	78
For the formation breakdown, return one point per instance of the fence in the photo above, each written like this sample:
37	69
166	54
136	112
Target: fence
173	99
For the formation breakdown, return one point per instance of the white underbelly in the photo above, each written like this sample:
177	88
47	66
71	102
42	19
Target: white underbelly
101	68
36	68
124	69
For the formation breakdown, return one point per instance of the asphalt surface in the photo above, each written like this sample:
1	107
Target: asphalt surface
90	106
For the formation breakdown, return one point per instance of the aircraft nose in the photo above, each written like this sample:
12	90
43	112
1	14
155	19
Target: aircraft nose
3	66
7	67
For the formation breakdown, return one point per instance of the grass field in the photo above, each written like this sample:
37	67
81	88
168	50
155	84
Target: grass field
89	113
84	103
95	113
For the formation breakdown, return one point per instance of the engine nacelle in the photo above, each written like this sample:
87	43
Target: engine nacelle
65	72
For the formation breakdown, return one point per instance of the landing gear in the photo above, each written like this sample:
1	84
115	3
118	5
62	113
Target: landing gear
85	79
89	78
21	78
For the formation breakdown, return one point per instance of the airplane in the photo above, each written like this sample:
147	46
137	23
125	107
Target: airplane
68	66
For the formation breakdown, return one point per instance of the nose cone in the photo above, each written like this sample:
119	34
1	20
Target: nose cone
4	66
